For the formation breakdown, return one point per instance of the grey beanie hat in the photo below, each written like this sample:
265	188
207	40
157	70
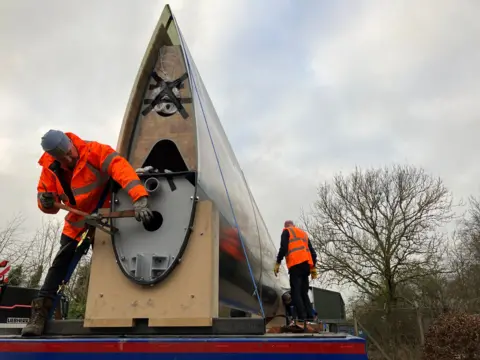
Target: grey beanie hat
56	143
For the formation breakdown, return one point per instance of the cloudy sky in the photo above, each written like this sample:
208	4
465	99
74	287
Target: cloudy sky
304	89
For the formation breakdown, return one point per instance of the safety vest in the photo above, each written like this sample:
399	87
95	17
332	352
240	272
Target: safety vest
83	187
298	250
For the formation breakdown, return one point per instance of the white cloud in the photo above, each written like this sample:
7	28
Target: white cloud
409	72
304	90
392	81
72	66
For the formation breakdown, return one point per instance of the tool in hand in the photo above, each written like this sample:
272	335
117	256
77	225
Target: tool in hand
97	220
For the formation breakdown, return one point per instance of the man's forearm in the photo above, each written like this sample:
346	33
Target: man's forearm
313	252
280	256
283	247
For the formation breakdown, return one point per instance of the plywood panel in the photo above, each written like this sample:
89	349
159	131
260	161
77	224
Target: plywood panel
160	37
152	127
188	297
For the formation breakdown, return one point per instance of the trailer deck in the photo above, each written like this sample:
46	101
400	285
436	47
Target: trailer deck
265	347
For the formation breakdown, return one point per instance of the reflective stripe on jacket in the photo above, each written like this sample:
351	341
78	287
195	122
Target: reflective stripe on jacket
83	187
298	251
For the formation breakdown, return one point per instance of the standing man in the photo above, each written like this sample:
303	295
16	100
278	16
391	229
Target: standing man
77	173
301	259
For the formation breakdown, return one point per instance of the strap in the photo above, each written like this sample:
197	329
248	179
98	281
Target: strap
56	168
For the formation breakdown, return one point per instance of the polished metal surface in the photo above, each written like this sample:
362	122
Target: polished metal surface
247	252
221	179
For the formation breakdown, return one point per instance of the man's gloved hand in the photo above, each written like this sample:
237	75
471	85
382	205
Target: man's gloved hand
276	268
142	212
313	273
47	199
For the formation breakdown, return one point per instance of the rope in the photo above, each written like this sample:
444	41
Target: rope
223	179
250	195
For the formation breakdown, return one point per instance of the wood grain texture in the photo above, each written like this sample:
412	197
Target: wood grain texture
153	127
159	38
188	297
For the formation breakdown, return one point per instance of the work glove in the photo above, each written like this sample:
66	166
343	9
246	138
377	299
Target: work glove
276	269
47	200
313	273
142	212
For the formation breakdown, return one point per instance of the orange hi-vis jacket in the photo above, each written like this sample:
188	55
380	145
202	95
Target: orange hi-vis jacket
298	251
83	188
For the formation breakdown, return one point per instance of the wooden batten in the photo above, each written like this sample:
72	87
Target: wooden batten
187	297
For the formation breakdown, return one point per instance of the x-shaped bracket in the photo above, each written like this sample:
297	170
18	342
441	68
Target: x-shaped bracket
166	91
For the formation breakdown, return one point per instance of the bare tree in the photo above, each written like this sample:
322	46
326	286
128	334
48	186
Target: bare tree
378	229
14	246
465	285
45	243
15	276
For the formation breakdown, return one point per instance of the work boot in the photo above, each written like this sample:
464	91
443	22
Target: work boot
40	310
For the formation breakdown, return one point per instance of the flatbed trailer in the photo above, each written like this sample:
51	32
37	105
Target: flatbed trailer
264	347
240	338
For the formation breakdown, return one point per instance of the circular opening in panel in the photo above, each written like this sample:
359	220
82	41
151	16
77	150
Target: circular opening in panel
155	223
151	184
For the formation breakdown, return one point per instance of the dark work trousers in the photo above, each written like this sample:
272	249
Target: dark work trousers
59	268
299	290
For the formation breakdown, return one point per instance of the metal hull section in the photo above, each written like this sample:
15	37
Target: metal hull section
172	126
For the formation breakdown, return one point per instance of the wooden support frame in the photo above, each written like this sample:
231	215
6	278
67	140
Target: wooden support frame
188	297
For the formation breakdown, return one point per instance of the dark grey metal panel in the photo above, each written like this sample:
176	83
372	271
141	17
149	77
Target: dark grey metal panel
329	304
147	253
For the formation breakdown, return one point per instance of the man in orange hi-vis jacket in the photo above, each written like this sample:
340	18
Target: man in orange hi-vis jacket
301	259
77	172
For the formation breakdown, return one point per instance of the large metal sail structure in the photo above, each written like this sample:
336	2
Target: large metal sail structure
171	129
